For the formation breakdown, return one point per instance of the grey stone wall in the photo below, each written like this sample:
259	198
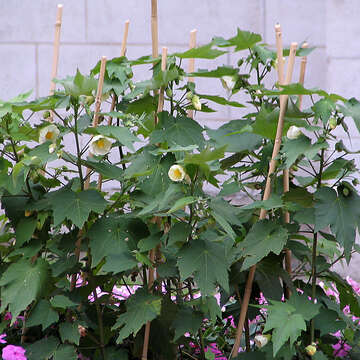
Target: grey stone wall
92	28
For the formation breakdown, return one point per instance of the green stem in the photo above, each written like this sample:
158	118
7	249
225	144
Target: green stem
78	150
314	249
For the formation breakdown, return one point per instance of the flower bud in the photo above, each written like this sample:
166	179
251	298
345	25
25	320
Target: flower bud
169	93
46	114
262	340
293	133
52	148
311	349
176	173
189	95
332	123
228	82
196	102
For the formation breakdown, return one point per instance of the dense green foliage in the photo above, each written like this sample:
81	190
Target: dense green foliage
56	232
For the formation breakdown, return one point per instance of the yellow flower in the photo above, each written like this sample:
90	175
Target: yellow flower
176	173
49	133
293	133
311	349
100	145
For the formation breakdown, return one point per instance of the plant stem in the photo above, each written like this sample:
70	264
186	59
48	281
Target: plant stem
78	151
314	249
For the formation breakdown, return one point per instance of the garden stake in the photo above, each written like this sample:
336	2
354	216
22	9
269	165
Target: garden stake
55	53
192	44
122	53
87	181
266	196
97	111
152	251
154	29
286	175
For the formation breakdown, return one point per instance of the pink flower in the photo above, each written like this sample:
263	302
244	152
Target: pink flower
355	285
341	349
12	352
2	340
8	316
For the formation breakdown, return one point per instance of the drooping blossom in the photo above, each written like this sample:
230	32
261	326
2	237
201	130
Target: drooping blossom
100	145
49	133
12	352
176	173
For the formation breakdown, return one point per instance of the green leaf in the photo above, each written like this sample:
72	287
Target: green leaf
201	52
219	72
323	109
119	262
150	242
75	207
178	233
205	260
293	149
141	308
69	332
288	319
243	40
351	108
237	135
78	85
65	352
264	237
220	100
29	280
42	349
187	320
341	212
25	230
107	237
108	171
327	322
62	302
43	314
274	202
181	203
181	131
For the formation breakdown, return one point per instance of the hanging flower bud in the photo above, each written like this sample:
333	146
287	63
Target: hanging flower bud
196	102
189	95
228	82
100	145
46	114
262	340
293	133
176	173
332	123
49	133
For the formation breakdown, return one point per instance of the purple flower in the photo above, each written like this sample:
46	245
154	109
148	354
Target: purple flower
8	316
12	352
2	340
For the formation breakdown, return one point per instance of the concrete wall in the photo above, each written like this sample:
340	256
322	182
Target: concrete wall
92	28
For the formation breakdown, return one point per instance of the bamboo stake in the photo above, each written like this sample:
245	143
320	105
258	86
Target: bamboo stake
55	61
87	181
192	44
152	252
97	110
154	29
267	191
286	174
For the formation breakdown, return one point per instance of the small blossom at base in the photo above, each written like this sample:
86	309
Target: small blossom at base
12	352
100	145
176	173
293	133
48	133
262	340
196	102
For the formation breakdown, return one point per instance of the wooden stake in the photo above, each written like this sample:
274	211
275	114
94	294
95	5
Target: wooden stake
267	191
55	61
192	44
152	252
286	174
154	29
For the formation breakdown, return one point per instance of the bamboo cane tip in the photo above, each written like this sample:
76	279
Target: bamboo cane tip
60	6
305	45
277	27
294	45
127	22
193	31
